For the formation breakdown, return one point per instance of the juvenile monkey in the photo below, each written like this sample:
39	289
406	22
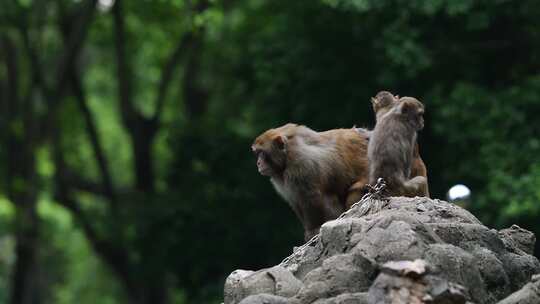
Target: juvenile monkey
383	102
312	170
391	148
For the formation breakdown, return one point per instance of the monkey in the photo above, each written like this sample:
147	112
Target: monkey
391	148
272	162
312	170
383	102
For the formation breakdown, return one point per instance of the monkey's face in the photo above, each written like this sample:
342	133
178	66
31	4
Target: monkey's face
271	155
263	162
420	124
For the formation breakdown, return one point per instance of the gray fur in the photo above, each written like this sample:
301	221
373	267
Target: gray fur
312	170
391	148
382	103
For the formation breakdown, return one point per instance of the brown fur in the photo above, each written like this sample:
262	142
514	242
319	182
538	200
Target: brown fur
392	145
311	170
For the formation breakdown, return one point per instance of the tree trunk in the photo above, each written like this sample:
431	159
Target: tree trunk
21	183
24	289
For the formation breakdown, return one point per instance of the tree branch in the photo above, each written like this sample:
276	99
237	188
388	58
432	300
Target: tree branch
195	97
20	168
167	73
9	54
66	61
114	256
76	182
127	110
80	96
141	130
94	140
74	44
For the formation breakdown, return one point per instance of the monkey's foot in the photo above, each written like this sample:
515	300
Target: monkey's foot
377	191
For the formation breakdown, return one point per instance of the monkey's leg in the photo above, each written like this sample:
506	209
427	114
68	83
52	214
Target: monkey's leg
355	192
419	168
416	186
297	209
425	189
318	208
333	207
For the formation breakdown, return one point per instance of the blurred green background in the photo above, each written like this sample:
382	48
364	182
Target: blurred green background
125	128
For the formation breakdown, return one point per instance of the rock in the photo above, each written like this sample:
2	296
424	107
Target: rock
409	282
344	273
276	280
517	238
233	291
529	294
407	249
345	298
413	269
264	299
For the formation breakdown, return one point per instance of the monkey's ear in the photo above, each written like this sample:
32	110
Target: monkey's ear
375	103
406	108
280	142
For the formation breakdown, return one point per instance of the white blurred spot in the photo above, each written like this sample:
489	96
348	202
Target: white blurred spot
105	5
459	192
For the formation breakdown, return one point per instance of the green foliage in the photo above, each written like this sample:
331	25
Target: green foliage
505	163
259	64
71	272
7	257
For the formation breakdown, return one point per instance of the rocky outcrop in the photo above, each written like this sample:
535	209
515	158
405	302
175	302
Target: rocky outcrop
406	250
529	294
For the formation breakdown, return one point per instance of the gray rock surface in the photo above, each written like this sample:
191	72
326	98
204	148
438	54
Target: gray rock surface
276	280
460	260
529	294
264	298
345	298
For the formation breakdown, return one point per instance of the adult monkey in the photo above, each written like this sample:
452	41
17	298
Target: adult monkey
313	170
